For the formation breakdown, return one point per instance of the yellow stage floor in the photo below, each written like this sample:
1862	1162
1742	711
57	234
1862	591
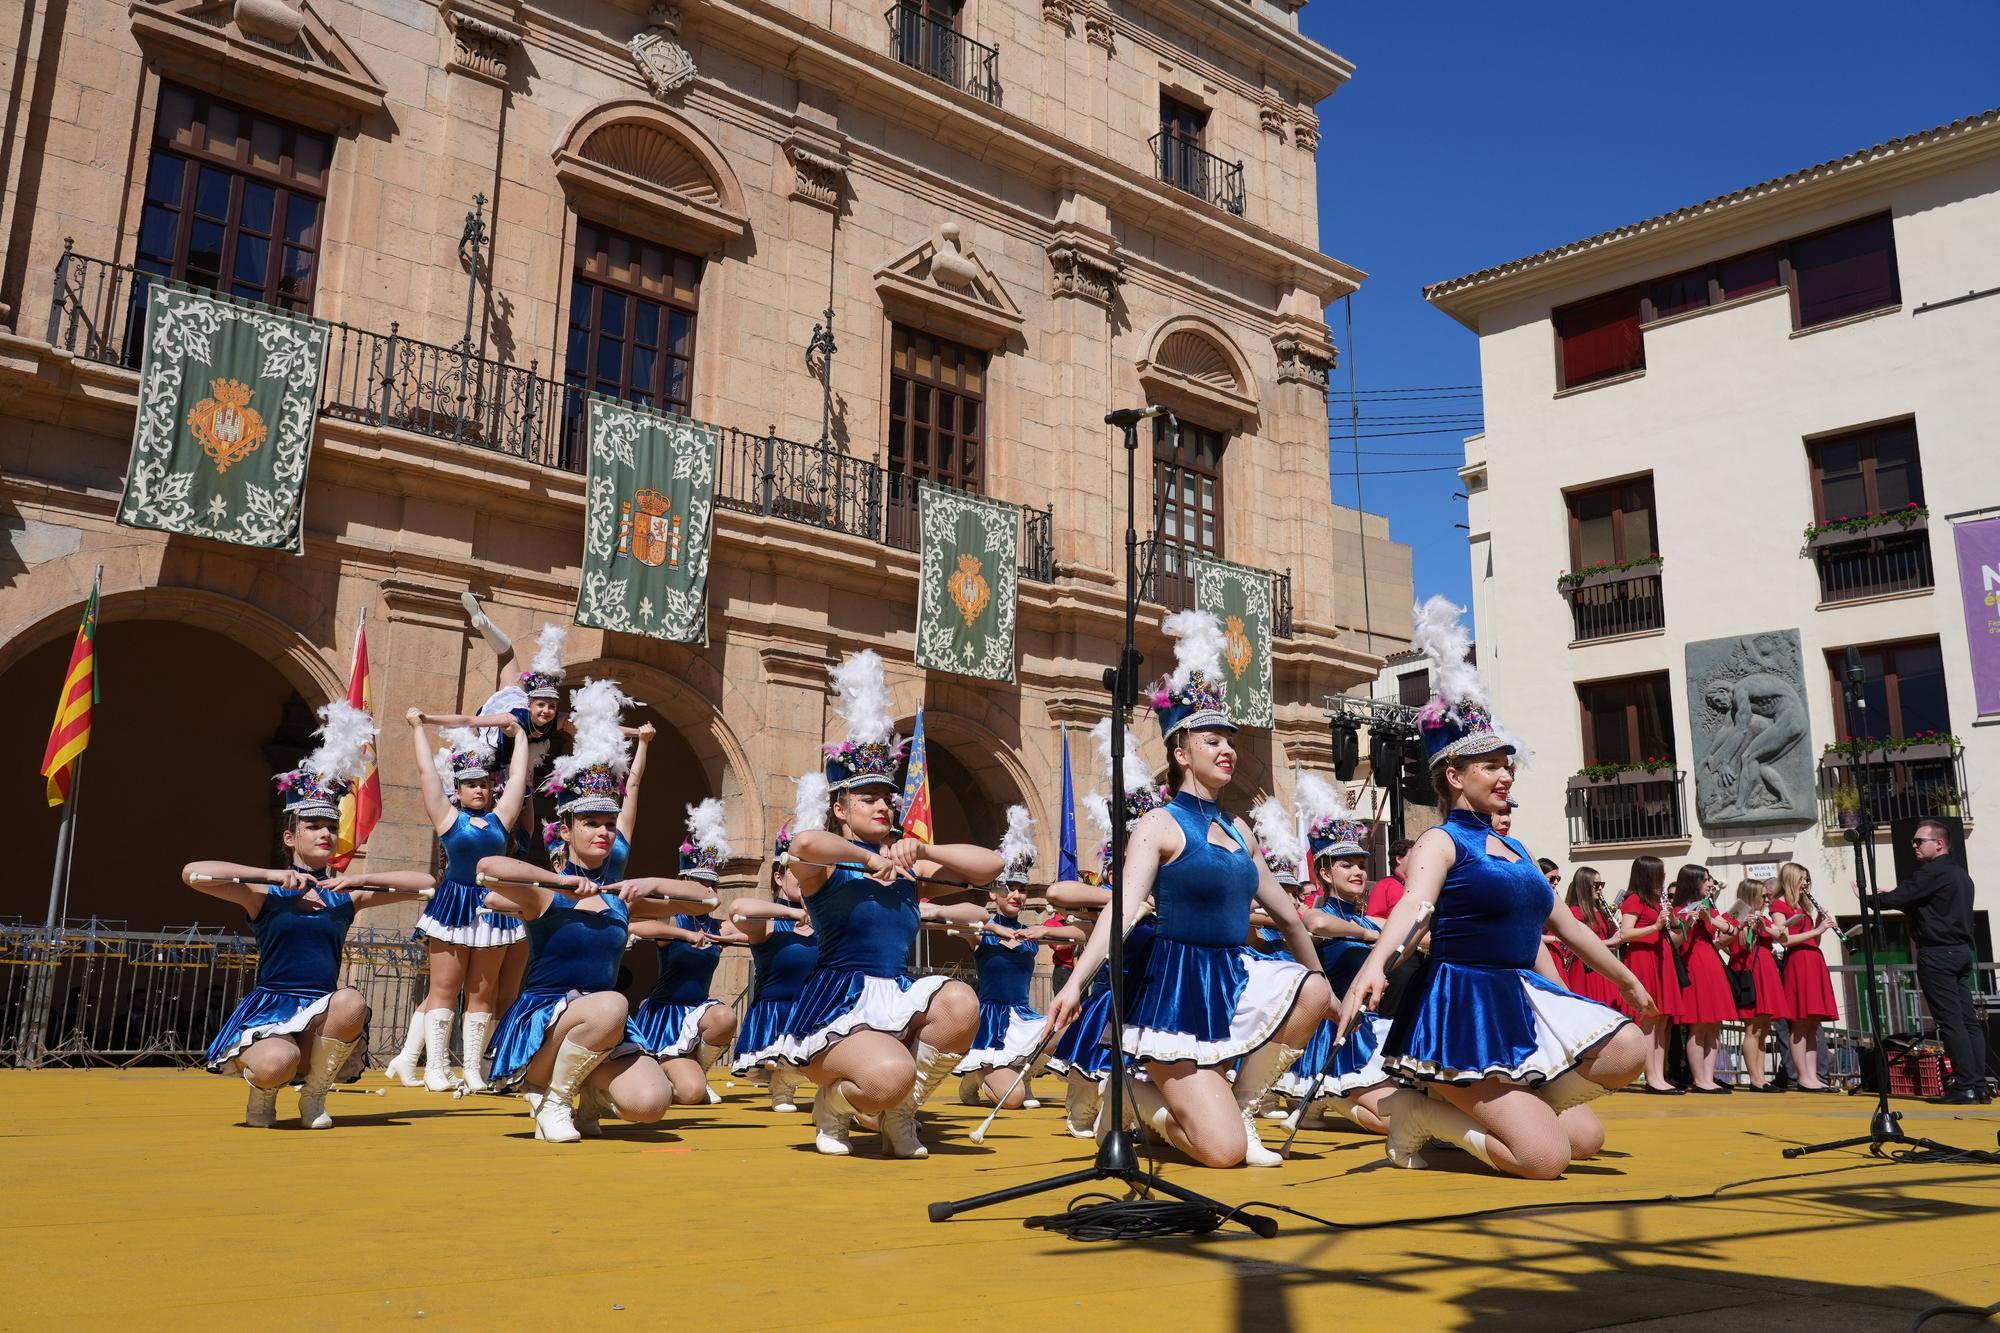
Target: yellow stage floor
136	1198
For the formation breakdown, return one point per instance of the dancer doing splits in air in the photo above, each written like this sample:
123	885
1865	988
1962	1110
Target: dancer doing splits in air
783	950
680	1024
1209	999
567	1035
1508	1058
298	1024
473	817
871	1038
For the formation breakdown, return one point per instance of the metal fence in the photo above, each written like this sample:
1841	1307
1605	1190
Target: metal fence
91	994
1166	576
1184	164
1625	606
1635	807
1874	567
940	50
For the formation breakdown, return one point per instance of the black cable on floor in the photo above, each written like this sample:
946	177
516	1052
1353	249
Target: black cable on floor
1134	1219
1969	1311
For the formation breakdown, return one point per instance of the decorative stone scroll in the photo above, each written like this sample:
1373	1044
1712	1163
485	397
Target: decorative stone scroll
1304	359
479	48
1080	269
819	175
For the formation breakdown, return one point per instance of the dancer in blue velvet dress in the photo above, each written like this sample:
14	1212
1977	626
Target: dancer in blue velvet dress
298	1024
783	951
1505	1059
873	1039
1208	999
568	1035
681	1025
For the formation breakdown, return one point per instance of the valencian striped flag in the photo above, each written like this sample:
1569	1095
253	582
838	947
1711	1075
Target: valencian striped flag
361	808
71	733
917	788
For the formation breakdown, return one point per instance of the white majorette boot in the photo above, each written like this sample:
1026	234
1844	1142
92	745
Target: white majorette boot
1150	1106
707	1055
833	1118
1254	1077
1415	1118
474	1031
406	1068
784	1088
1569	1089
969	1088
495	640
327	1058
1081	1097
437	1051
573	1065
899	1122
261	1111
593	1104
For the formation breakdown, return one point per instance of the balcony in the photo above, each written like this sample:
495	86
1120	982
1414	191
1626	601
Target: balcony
943	52
1633	806
1184	164
453	394
1876	562
1905	783
1166	577
1614	602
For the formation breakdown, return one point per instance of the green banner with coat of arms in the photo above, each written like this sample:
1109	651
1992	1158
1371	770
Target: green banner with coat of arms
649	516
1239	597
228	395
966	583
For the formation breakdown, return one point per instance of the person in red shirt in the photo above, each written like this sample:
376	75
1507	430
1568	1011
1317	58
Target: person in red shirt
1383	894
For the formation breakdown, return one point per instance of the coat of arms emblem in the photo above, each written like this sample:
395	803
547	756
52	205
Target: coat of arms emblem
648	532
1237	644
230	430
969	590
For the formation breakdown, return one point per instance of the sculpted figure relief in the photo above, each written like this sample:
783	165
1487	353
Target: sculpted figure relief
1753	753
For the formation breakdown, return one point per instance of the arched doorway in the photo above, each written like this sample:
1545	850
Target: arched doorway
189	729
974	778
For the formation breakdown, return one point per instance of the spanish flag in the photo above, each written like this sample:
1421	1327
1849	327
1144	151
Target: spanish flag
361	808
70	735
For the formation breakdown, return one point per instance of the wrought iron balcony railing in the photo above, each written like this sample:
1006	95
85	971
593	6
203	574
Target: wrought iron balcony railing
1166	577
1895	784
1184	164
1632	807
943	52
1038	529
1873	564
1624	602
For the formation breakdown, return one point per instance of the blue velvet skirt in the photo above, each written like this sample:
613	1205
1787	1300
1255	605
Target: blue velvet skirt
1462	1023
834	1004
1083	1049
1209	1004
523	1029
1008	1034
454	915
670	1031
757	1039
268	1012
1355	1067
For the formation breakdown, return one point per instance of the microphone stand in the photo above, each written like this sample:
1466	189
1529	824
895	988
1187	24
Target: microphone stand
1885	1127
1116	1157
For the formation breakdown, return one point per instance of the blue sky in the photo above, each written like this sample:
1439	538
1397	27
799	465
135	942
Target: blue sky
1477	132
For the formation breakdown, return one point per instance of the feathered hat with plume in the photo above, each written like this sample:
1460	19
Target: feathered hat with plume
1332	826
464	757
346	740
872	751
1141	792
1097	809
590	779
1017	848
1278	837
811	795
544	677
707	844
1191	695
1458	721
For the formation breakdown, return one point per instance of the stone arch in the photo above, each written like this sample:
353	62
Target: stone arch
995	770
639	167
1193	365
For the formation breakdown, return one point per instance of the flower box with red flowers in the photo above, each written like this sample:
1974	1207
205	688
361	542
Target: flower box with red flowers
1608	571
1849	529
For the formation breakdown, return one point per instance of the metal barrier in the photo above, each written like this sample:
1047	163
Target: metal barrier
90	995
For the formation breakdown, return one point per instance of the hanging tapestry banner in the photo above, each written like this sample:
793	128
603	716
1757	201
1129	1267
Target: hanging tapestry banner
967	582
1240	598
649	516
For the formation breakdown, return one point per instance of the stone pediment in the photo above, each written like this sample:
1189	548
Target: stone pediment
944	288
280	58
1196	369
640	168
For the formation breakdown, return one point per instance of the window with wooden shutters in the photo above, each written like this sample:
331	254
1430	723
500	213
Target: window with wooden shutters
1627	721
1847	270
1903	687
1860	474
1599	338
632	307
937	423
1187	499
1612	523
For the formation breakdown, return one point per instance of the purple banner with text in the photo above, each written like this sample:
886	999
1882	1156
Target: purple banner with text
1979	586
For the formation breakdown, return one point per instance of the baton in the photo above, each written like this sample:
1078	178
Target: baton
789	860
979	1135
250	883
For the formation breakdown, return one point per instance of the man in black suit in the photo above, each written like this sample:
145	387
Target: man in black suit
1937	902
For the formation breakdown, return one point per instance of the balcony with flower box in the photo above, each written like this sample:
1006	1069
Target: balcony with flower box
1610	599
1897	777
1624	804
1877	554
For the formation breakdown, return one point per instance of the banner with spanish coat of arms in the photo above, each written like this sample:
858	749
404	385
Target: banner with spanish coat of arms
228	395
966	583
1240	597
649	515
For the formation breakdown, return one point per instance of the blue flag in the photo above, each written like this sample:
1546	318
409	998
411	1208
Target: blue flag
1066	867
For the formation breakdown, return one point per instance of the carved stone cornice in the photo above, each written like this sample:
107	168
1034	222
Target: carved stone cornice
1306	354
819	169
1271	116
1084	265
1058	13
436	605
796	667
1097	28
1080	711
1305	133
483	40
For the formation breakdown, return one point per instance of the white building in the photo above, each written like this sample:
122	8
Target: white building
1684	397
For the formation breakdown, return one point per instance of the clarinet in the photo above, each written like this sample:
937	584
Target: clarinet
1610	917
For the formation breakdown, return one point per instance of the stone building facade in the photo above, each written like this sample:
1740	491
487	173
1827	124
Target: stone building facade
1020	214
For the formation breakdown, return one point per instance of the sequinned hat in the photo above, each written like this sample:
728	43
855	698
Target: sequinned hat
1017	848
590	779
1458	721
544	677
872	752
707	844
314	789
1278	839
465	757
1191	696
1333	829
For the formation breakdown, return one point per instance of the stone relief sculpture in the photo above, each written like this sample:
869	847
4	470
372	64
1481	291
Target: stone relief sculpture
1752	738
664	63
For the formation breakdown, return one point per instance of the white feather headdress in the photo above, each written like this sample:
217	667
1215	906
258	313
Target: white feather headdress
1017	848
1278	834
599	742
347	735
708	828
460	744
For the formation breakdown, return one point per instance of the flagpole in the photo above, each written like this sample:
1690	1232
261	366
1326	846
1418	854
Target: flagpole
66	847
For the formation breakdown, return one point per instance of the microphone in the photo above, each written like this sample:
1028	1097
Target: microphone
1132	416
1854	674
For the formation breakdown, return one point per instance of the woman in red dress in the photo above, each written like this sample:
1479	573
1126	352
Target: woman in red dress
1706	1002
1646	955
1586	903
1808	985
1750	952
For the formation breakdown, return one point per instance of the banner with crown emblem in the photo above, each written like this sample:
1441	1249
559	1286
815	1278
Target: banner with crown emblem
966	584
1239	597
650	509
228	396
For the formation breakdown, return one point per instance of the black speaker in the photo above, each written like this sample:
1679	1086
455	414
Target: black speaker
1902	830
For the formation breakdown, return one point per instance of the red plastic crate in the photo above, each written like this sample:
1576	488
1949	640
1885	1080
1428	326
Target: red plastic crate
1917	1071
